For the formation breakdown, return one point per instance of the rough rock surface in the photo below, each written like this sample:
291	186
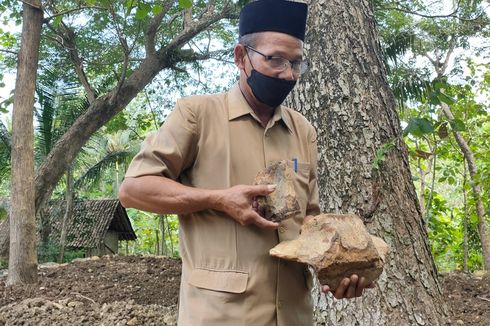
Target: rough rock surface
282	203
336	246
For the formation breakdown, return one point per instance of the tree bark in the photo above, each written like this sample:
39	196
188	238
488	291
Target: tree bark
68	213
23	256
161	226
465	221
346	97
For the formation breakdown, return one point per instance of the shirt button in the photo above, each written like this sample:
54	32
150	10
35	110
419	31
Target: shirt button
279	304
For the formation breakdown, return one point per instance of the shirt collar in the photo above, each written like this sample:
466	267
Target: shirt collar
238	106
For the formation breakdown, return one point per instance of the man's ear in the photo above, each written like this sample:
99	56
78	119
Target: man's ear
239	56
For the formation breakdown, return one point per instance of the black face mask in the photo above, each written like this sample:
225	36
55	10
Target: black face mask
269	90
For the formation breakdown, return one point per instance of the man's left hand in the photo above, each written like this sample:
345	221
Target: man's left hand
350	287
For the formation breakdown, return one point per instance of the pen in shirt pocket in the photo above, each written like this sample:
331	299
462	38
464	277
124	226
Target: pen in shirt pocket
295	163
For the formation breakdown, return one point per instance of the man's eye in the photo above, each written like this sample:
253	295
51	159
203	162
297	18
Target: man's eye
277	62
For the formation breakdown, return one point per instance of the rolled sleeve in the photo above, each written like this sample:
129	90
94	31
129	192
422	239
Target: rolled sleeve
170	150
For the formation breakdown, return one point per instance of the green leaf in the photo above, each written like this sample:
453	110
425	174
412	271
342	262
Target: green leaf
91	2
129	4
157	9
57	21
434	98
457	125
419	127
185	4
446	99
142	11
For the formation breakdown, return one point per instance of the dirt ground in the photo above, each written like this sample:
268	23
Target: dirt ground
144	291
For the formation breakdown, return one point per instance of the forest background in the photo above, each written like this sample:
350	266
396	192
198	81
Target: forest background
437	58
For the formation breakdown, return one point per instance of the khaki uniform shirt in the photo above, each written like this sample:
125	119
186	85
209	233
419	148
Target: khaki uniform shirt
228	277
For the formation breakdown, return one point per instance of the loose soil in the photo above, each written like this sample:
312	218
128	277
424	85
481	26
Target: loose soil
137	290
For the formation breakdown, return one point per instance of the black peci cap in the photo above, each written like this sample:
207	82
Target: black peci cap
275	16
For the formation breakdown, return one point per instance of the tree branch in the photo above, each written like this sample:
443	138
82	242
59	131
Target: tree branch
29	3
69	11
452	45
151	32
8	51
415	13
229	11
187	18
68	42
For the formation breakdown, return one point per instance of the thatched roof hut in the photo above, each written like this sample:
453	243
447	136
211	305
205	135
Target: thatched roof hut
96	225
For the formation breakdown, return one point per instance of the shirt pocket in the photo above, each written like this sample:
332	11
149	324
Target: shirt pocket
301	183
218	282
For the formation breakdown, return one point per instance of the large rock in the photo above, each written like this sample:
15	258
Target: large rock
336	246
282	203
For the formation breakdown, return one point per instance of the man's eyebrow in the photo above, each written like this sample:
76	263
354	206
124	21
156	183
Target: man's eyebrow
283	54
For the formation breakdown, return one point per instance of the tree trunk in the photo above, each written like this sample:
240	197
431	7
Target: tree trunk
169	234
465	221
23	256
161	225
476	189
68	213
346	97
45	229
157	244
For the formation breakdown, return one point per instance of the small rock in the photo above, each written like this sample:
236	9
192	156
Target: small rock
133	322
459	322
75	304
479	274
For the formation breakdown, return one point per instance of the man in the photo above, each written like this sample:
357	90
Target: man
201	165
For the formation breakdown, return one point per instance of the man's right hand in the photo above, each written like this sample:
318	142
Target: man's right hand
238	202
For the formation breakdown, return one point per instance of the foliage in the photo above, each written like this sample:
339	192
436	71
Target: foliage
51	252
146	226
3	214
428	59
94	47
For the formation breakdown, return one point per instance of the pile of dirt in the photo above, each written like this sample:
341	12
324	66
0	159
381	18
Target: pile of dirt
142	290
468	297
113	290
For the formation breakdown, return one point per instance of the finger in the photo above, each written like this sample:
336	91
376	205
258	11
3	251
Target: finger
255	205
262	190
360	286
341	288
325	288
351	291
263	223
308	217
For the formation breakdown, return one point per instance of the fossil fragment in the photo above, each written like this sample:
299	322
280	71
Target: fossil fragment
282	203
336	246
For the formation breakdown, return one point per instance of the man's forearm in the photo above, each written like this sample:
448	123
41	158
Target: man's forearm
164	196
